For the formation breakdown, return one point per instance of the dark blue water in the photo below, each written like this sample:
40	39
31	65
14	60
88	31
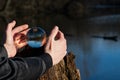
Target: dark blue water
97	59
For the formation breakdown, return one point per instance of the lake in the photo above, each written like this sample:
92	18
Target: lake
98	58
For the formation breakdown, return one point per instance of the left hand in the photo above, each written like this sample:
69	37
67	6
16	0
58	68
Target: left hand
56	45
11	43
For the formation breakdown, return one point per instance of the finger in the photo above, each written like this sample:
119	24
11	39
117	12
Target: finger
25	31
54	32
20	28
48	44
61	35
21	44
20	41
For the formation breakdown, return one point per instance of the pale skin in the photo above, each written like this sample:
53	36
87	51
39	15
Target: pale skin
56	48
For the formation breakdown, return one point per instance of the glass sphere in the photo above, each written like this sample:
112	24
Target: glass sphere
36	37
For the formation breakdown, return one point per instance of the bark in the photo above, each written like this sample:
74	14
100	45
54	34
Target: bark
65	70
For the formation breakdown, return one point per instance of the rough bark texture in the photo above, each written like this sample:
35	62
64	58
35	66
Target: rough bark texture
65	70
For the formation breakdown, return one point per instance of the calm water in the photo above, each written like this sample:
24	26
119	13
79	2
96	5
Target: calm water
97	59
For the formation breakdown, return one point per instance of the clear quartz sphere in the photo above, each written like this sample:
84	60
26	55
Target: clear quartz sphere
36	37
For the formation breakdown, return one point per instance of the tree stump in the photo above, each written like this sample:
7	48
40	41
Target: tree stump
65	70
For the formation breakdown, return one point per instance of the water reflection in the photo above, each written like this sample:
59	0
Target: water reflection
97	59
97	48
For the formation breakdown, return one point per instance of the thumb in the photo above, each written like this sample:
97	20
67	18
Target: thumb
52	37
10	27
9	30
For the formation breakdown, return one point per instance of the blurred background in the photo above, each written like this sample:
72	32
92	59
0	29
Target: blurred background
91	27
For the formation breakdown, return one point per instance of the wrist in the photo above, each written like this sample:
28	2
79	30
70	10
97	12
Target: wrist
47	59
7	49
10	50
52	57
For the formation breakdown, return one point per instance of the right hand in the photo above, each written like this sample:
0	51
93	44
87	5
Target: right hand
10	43
56	48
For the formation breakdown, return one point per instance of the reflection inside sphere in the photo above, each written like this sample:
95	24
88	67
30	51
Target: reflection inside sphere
36	37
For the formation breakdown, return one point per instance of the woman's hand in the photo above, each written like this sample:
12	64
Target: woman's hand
56	45
13	40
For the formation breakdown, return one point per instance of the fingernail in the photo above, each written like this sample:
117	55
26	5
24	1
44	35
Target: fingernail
13	21
26	25
56	27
